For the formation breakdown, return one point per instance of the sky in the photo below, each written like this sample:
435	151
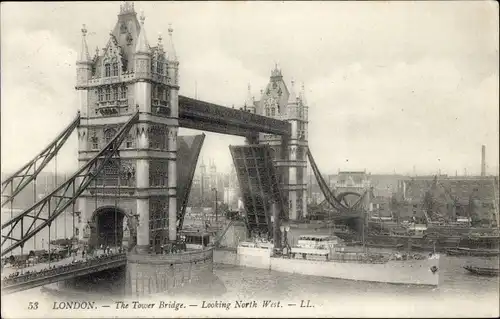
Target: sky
405	87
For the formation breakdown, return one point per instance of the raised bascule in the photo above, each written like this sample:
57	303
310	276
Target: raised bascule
135	172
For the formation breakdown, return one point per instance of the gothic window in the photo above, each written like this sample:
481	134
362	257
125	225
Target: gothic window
115	69
123	28
110	173
109	134
272	111
108	94
267	111
123	92
165	97
101	94
95	142
159	67
115	93
160	93
107	70
128	141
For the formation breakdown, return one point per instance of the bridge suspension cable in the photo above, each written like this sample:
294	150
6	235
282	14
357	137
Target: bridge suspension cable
65	194
22	177
329	196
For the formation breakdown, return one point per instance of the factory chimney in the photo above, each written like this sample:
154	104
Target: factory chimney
483	160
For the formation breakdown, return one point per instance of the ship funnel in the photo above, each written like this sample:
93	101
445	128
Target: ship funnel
483	160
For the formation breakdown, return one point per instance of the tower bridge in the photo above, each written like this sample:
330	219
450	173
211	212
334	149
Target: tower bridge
135	171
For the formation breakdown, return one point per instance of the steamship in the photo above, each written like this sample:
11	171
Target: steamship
328	256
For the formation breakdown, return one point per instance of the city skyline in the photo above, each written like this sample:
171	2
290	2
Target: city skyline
420	101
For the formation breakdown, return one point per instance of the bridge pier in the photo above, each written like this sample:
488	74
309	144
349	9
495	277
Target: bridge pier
143	235
151	273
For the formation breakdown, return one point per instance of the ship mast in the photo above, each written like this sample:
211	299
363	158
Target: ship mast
363	229
495	198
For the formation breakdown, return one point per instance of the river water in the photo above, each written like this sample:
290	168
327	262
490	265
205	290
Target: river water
458	295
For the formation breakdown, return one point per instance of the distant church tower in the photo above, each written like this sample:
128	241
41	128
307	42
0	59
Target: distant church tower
283	104
130	75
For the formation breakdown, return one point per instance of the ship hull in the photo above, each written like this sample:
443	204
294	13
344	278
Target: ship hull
414	272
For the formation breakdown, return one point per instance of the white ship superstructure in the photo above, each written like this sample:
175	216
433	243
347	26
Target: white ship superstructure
327	256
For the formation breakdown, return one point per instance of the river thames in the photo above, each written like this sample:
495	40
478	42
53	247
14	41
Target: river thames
459	295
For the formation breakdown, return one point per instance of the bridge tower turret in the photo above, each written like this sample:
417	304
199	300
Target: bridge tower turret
130	75
172	80
289	154
250	101
302	144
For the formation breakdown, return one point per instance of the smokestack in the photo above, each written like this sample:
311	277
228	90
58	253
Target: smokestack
483	160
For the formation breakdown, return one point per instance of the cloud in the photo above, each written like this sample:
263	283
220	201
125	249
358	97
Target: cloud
391	84
37	87
421	108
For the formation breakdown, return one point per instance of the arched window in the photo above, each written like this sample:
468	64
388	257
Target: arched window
115	93
115	69
160	93
267	111
100	92
165	97
107	70
108	94
109	134
273	111
95	142
129	141
124	92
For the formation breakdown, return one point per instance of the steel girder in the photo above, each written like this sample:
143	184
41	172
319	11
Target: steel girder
194	113
342	198
64	195
20	179
259	185
329	196
187	157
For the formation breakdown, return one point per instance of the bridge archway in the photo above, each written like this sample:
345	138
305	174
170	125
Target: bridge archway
349	198
108	227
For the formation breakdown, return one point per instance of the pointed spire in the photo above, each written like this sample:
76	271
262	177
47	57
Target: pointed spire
160	44
84	53
142	45
249	100
276	72
127	7
171	55
292	98
303	95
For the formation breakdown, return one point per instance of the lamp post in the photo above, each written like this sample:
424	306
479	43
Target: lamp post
215	190
284	231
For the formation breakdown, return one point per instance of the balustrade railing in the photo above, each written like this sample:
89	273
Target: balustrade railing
175	258
46	273
112	107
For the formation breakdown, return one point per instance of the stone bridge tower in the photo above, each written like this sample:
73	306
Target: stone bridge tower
290	156
125	76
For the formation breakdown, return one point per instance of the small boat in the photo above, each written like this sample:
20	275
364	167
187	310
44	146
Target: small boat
481	271
390	246
461	251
